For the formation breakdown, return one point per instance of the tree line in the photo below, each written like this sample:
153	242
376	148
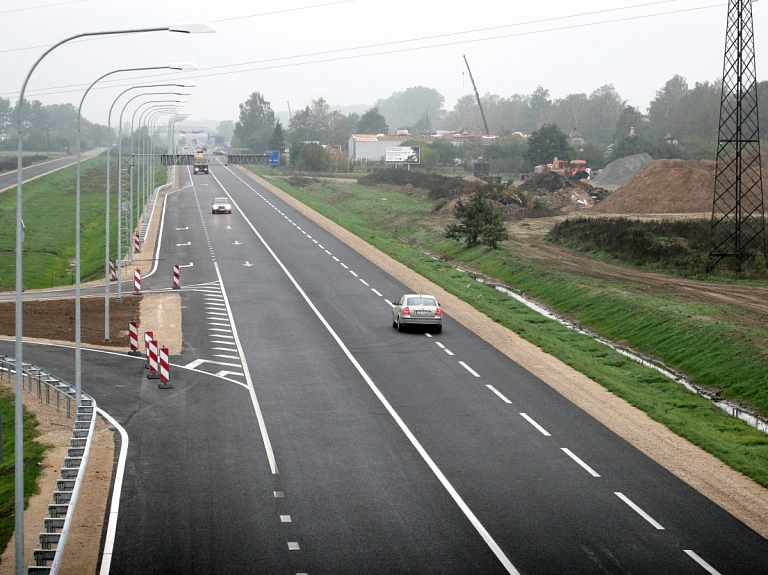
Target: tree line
680	122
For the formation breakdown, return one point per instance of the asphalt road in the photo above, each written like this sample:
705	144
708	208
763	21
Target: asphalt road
9	179
304	434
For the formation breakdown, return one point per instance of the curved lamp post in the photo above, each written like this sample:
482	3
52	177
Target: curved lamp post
107	250
119	188
18	411
78	322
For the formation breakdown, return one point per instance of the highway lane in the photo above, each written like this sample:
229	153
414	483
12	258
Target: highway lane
526	472
351	487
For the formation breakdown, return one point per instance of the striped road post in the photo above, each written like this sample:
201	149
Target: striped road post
165	375
133	333
154	372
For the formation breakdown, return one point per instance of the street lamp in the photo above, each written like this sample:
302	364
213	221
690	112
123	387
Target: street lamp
18	411
119	187
78	322
167	105
107	270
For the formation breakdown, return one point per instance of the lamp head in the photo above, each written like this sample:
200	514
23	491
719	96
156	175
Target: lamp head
192	28
187	66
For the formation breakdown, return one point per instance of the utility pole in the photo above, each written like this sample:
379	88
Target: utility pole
487	133
738	221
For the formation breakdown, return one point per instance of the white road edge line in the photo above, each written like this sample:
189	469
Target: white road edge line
114	508
503	559
536	425
707	567
497	392
639	511
578	460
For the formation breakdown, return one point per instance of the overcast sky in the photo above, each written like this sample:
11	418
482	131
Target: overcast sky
358	51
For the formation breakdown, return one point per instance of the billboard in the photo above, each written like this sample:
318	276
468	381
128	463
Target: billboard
403	155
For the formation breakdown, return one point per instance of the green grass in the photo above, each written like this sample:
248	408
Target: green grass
34	453
705	341
49	219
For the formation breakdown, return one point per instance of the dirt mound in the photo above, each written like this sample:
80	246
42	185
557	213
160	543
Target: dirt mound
665	187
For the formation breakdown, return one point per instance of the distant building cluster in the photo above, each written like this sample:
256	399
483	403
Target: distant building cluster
373	147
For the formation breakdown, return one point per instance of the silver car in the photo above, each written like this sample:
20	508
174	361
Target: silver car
417	309
221	206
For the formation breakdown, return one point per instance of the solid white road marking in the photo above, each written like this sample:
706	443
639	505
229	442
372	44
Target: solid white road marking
189	265
228	373
469	369
536	425
707	567
639	511
285	518
247	264
497	392
293	546
187	244
570	454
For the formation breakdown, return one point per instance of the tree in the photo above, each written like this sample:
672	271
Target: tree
481	222
546	143
225	130
253	129
312	157
540	106
277	141
404	109
667	108
372	122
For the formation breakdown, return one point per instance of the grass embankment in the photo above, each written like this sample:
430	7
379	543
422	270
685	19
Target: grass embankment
49	221
706	341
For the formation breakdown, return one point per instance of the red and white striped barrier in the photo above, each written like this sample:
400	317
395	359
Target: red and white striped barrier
133	333
176	283
154	373
137	282
148	337
136	244
165	376
112	272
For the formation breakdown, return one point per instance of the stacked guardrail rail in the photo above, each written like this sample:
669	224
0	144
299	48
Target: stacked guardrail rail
47	556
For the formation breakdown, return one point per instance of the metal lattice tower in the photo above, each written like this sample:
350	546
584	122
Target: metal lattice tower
738	218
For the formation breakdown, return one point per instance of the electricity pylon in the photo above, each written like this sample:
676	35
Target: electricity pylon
738	220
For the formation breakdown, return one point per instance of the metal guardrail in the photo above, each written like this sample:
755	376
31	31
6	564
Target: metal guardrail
46	557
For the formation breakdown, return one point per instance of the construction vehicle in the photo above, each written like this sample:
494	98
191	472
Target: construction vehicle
576	169
201	164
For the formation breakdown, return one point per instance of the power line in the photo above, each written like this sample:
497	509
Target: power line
59	90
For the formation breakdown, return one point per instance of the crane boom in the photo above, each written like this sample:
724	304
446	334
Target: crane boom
479	105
